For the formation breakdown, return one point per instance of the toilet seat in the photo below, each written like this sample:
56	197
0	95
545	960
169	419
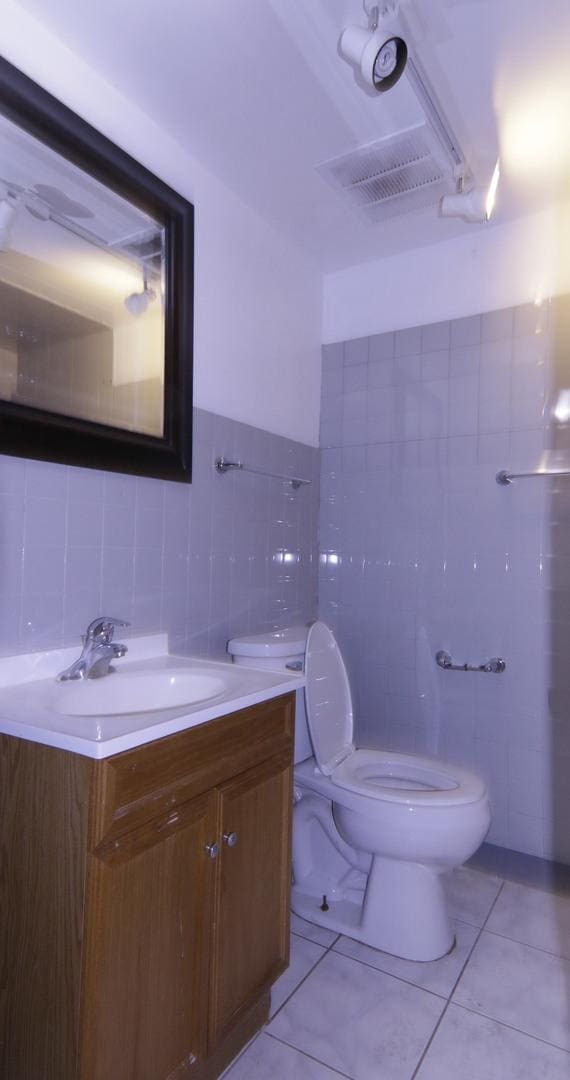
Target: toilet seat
376	774
406	778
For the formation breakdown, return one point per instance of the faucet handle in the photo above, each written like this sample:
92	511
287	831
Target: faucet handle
102	629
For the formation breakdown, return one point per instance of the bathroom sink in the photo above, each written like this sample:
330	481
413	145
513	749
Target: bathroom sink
151	694
136	692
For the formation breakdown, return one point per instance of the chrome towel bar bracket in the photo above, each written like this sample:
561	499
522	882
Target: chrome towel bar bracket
504	478
222	465
495	666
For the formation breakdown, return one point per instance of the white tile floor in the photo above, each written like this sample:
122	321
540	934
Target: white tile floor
496	1008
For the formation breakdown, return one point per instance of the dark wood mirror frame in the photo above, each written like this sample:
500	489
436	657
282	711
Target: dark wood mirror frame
35	433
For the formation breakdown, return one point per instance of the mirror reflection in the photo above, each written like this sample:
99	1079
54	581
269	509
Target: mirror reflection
81	292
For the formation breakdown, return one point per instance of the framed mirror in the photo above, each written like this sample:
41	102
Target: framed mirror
96	296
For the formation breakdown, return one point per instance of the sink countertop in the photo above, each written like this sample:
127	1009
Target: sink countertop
28	690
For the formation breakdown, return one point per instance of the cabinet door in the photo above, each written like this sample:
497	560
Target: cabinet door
147	949
251	945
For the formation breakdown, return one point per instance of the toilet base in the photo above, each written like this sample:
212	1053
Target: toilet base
403	911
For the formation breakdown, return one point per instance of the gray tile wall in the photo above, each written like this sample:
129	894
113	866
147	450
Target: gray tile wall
422	550
225	555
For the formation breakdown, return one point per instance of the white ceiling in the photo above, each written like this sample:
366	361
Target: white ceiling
256	90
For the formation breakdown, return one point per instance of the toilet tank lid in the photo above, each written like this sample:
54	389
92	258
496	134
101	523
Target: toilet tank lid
290	641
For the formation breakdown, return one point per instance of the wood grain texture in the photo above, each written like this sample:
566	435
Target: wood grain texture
43	826
148	949
140	784
126	952
245	1027
253	890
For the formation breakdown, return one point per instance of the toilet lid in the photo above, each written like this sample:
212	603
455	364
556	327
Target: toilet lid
328	699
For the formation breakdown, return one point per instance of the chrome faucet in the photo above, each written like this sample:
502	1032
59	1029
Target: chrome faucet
98	651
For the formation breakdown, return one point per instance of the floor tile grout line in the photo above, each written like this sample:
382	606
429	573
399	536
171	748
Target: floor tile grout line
381	971
313	941
406	982
511	1027
454	987
263	1030
303	980
311	1057
243	1051
493	905
527	945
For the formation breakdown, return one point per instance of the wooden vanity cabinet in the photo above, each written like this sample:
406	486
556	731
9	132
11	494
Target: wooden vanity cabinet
144	900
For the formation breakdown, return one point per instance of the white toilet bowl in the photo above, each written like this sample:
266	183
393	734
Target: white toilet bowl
373	830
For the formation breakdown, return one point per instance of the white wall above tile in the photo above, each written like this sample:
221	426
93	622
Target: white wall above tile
486	270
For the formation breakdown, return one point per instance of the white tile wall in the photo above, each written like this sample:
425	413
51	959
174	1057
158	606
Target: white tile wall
422	550
225	555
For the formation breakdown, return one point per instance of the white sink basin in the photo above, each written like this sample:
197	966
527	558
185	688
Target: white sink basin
151	694
136	692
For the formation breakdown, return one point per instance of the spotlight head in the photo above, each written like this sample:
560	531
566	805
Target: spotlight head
474	205
379	55
137	303
469	205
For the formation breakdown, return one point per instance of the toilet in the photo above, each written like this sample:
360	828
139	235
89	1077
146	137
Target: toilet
373	830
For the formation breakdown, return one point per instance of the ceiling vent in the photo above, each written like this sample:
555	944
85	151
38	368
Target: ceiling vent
394	175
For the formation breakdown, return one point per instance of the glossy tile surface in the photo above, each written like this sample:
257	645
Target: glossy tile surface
470	894
304	955
359	1020
520	986
438	976
223	555
495	1009
476	1048
420	550
534	918
269	1059
311	932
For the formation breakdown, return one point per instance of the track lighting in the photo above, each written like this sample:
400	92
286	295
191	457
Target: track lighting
137	303
474	205
378	53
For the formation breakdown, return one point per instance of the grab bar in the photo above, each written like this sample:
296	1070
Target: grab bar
495	666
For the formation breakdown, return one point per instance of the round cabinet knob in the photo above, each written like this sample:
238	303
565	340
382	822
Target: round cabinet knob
230	838
213	850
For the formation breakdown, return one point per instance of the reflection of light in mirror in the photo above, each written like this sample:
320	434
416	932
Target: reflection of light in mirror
106	273
561	410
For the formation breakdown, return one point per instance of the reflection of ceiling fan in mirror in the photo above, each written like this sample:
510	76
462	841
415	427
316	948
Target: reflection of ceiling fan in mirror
44	202
44	199
48	203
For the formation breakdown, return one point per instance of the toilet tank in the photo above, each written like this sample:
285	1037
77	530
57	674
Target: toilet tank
281	650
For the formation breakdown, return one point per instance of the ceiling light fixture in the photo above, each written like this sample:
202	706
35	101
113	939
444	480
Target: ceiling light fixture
475	205
378	53
137	303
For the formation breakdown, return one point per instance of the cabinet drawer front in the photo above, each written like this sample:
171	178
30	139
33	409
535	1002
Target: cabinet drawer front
152	780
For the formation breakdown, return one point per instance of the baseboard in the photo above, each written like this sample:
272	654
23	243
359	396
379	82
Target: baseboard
521	868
